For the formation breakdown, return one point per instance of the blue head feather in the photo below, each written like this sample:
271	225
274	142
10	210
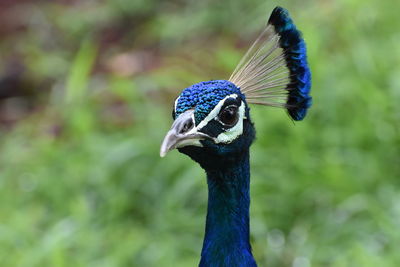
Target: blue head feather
291	41
203	97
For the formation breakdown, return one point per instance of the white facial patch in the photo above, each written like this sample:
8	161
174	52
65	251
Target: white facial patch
189	142
229	135
232	133
176	103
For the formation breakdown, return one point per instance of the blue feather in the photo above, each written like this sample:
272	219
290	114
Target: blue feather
294	47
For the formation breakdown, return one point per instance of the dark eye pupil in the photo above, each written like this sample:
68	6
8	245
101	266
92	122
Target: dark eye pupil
229	116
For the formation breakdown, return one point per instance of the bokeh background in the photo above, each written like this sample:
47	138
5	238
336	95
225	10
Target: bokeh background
86	93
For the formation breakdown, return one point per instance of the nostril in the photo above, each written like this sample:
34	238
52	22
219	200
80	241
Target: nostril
187	126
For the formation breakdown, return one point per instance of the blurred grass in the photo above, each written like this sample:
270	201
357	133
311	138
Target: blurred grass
81	182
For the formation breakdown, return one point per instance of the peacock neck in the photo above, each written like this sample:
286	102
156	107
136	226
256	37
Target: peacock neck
226	241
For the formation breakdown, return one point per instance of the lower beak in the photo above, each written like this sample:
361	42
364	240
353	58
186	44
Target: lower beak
182	133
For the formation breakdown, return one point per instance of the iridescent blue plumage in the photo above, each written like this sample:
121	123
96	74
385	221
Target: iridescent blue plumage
203	96
294	47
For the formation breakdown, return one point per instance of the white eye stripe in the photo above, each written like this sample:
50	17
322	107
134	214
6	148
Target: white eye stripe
176	103
214	113
229	135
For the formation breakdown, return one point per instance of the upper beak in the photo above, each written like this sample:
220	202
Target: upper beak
182	133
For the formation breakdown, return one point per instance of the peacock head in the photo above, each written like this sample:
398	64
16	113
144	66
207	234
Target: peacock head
212	120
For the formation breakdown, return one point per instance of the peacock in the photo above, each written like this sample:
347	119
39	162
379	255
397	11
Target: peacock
213	126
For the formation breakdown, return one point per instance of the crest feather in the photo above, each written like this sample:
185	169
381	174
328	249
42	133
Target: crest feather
274	71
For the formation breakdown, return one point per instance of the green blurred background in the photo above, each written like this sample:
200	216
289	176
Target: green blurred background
86	93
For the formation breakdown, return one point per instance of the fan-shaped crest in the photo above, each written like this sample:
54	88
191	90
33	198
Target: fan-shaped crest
274	71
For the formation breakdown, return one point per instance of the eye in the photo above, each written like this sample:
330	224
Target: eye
229	115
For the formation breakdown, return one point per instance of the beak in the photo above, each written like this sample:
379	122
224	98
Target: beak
182	133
